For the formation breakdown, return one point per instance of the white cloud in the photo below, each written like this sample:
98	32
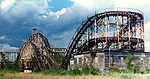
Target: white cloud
22	6
6	4
40	4
44	16
147	27
147	46
131	3
8	48
58	13
2	37
147	36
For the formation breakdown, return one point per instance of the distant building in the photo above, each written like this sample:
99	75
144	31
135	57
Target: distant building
58	49
100	60
8	56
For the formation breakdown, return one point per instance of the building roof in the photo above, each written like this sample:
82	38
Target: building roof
58	47
9	52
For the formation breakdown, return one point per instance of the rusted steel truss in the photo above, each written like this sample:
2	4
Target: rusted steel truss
36	52
114	30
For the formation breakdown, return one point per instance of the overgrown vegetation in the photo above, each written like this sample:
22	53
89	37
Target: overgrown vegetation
58	58
134	68
112	69
85	70
128	61
12	67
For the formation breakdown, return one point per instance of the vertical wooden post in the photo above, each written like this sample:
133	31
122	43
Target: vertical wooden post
95	32
106	29
87	36
109	56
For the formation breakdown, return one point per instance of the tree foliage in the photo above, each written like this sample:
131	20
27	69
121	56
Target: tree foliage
128	62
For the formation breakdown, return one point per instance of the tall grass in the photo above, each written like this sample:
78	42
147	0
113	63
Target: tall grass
128	75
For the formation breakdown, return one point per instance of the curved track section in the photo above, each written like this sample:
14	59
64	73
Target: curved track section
114	30
36	53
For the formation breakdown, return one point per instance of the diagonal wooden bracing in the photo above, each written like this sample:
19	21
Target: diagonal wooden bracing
115	30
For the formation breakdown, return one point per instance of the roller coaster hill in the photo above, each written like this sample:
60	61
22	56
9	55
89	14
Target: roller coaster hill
36	53
107	38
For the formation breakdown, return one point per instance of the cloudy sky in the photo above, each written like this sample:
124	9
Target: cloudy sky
57	19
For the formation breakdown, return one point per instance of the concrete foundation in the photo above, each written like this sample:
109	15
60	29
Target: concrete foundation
96	59
101	60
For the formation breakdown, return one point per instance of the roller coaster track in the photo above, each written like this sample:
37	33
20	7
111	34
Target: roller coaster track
36	52
121	30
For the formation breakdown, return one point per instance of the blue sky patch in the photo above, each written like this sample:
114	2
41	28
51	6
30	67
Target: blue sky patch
59	4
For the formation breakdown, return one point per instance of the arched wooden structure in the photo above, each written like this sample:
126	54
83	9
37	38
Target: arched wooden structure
36	53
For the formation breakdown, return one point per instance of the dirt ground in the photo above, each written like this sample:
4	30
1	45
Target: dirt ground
49	76
23	75
41	76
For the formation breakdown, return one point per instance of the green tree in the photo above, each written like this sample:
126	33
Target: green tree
128	62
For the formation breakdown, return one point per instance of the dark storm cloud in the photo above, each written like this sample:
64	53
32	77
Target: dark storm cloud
18	20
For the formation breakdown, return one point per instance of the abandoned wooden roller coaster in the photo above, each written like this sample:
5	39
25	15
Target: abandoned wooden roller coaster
36	53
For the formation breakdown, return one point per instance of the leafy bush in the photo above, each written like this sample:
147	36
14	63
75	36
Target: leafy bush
58	58
45	71
1	73
143	71
18	67
95	71
136	67
12	67
36	69
89	69
9	66
128	61
76	71
86	69
113	69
